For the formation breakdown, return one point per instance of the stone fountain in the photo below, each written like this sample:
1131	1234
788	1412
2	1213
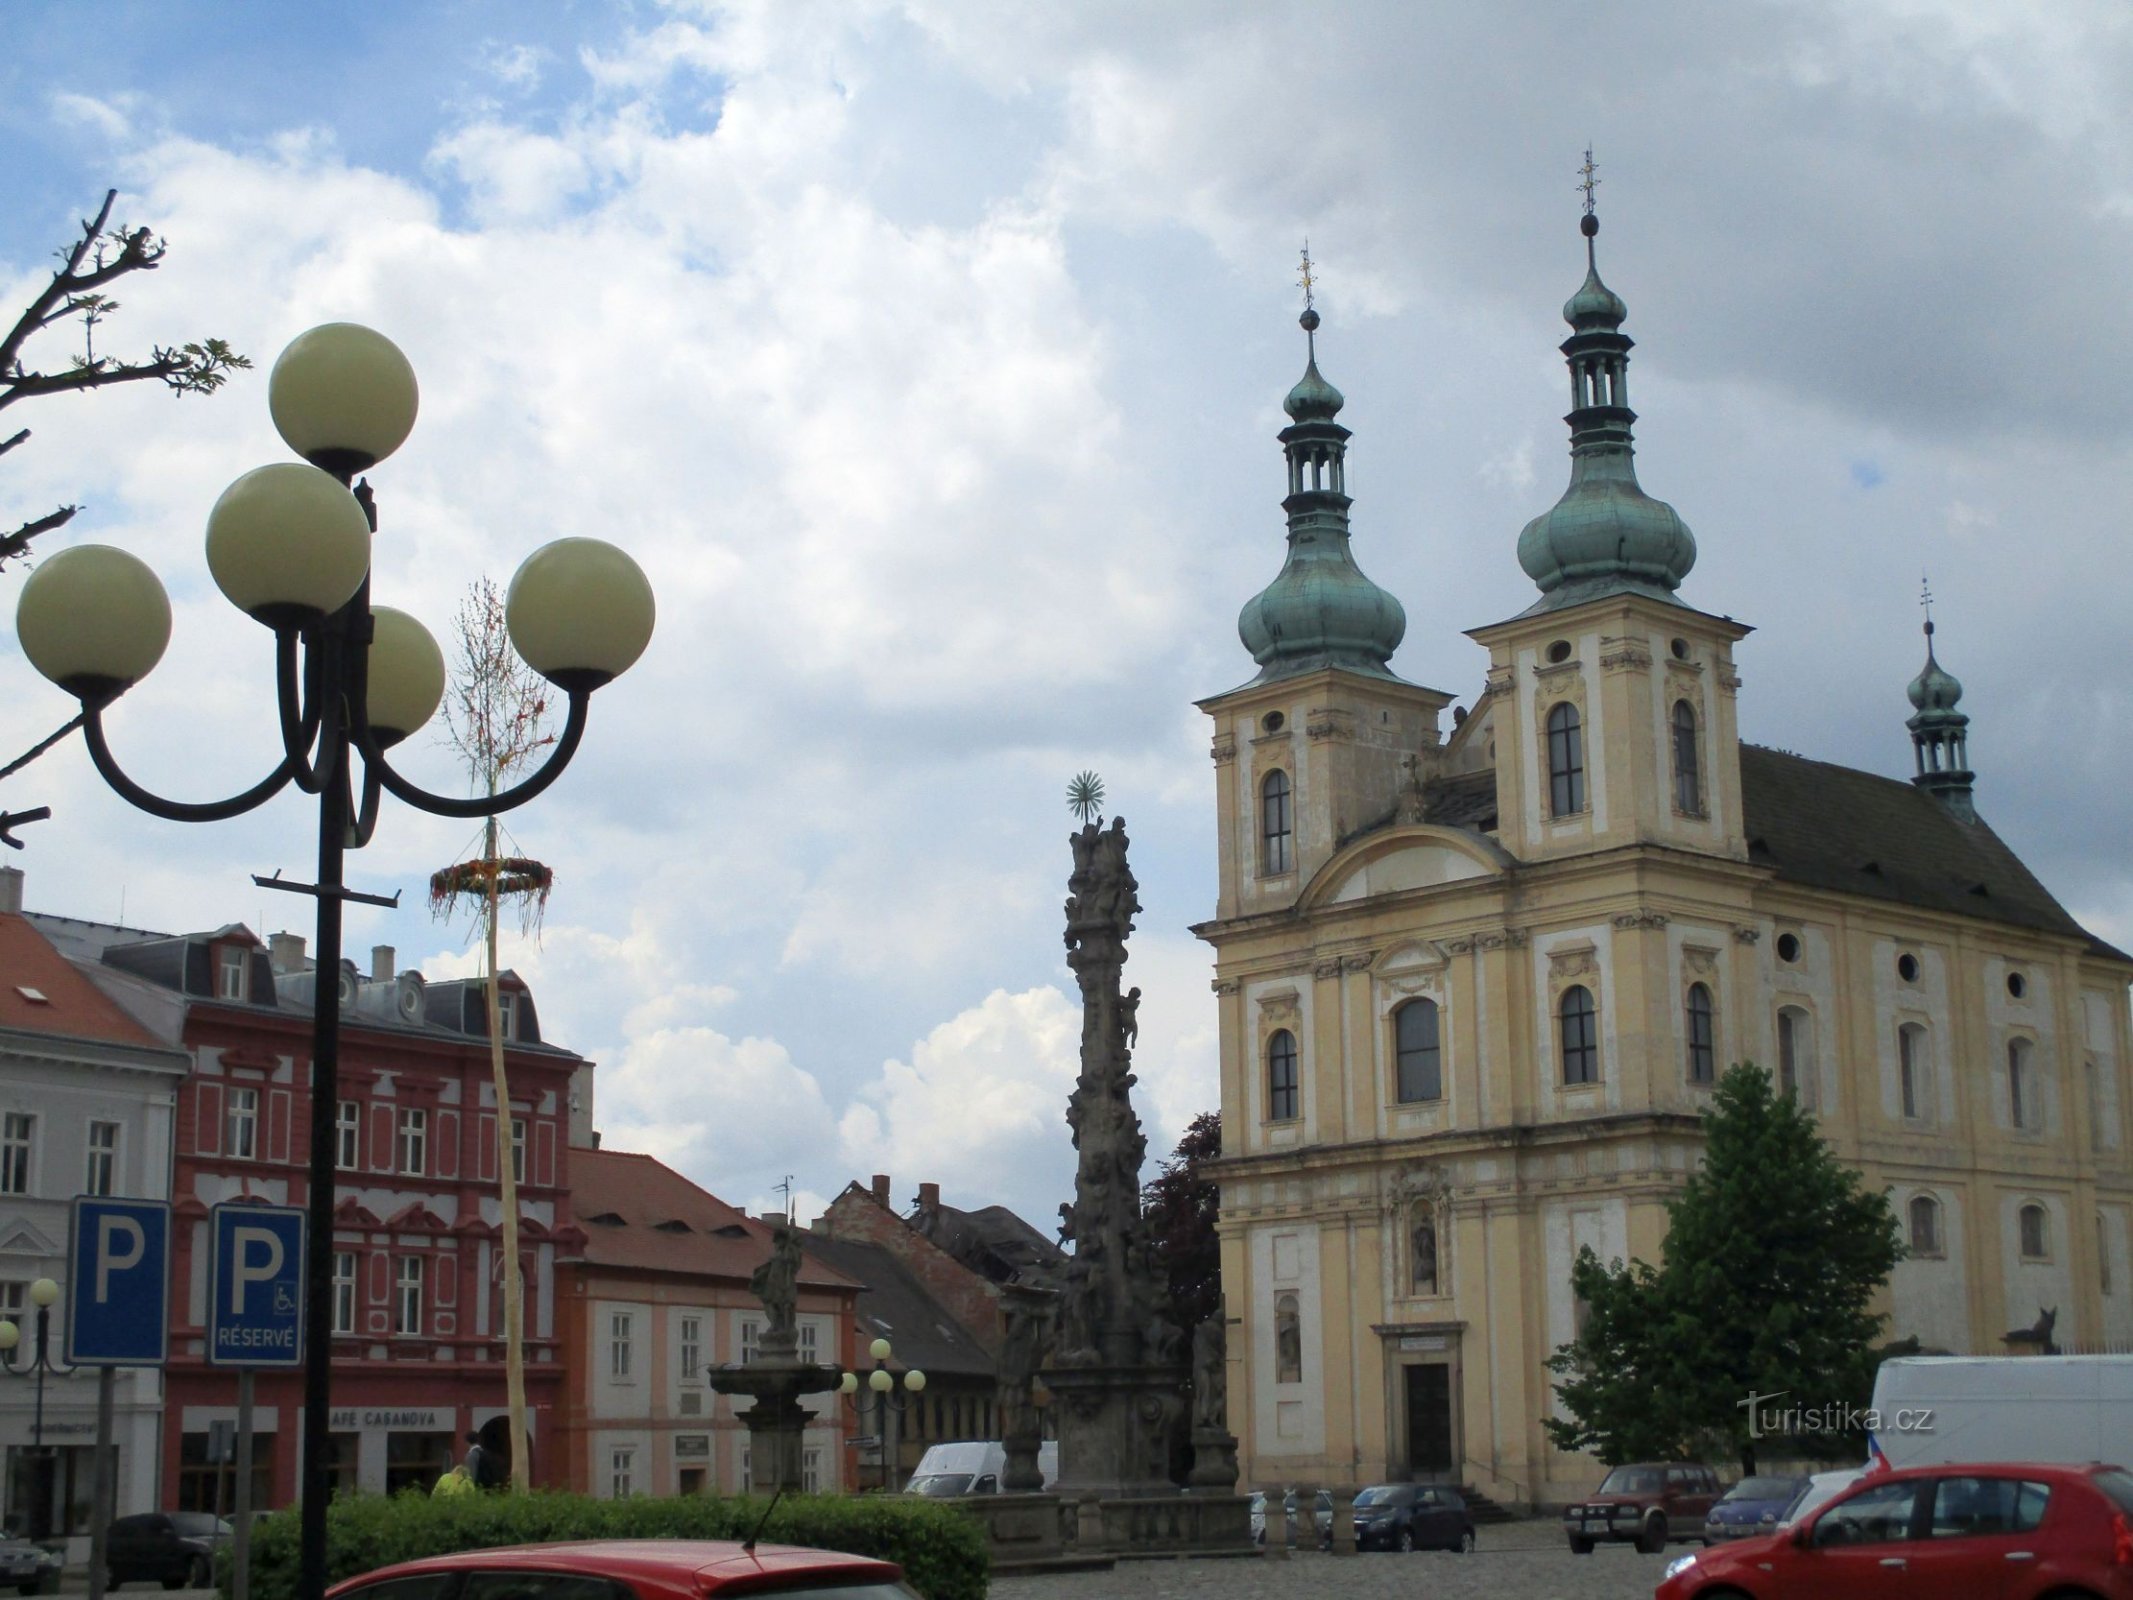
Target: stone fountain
777	1378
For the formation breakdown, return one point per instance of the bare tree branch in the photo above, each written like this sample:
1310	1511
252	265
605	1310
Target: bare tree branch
19	541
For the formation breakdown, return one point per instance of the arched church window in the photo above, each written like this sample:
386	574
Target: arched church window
1703	1036
1419	1061
1281	1076
1566	761
2023	1109
1688	764
1580	1035
1288	1338
1925	1226
1276	837
1796	1060
2034	1225
1425	1261
1911	1070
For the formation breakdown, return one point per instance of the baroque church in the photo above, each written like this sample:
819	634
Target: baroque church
1476	983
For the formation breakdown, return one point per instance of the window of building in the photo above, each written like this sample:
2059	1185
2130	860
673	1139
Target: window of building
1703	1036
1275	835
1795	1055
102	1175
692	1348
18	1135
414	1139
233	973
1579	1027
240	1124
407	1301
1911	1070
1788	948
348	1135
2034	1225
344	1291
811	1470
1420	1063
1566	761
751	1340
621	1345
1925	1226
518	1149
506	1014
1281	1076
2023	1111
622	1472
1907	967
2017	985
14	1300
1688	765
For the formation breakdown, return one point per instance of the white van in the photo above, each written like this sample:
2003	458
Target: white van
1941	1410
949	1471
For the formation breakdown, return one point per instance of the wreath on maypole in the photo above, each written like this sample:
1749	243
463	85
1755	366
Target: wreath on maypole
518	878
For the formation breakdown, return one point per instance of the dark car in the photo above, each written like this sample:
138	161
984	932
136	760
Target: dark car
1994	1532
173	1548
633	1569
1751	1506
1412	1516
1645	1504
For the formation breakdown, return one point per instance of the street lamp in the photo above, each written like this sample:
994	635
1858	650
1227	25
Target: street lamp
888	1405
44	1294
290	545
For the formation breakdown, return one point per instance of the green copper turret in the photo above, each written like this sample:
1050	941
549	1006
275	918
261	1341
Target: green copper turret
1940	737
1605	534
1320	611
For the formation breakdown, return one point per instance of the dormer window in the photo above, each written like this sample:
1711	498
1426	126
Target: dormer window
506	1014
233	973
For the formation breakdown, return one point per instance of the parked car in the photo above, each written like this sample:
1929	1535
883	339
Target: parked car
174	1548
1752	1506
1997	1532
1644	1504
29	1567
1412	1516
951	1471
1819	1490
633	1569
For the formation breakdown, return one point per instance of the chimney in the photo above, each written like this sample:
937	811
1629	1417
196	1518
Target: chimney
286	952
881	1190
929	1198
381	963
10	889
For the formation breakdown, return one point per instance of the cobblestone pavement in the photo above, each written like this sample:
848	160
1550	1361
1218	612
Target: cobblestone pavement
1516	1561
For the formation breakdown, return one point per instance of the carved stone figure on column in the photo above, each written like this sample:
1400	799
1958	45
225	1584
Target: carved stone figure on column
1210	1374
777	1284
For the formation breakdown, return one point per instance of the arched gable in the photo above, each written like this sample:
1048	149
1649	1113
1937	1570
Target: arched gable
1416	856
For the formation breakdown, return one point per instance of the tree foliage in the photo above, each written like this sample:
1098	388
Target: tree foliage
1179	1205
1774	1253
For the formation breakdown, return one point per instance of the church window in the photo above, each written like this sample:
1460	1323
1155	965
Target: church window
1276	838
1425	1264
1703	1036
1925	1226
1419	1059
1796	1075
2091	1083
1281	1076
1566	761
1688	774
1680	648
1580	1035
1559	652
2017	985
1911	1070
2023	1109
2034	1225
1788	948
1288	1338
1907	967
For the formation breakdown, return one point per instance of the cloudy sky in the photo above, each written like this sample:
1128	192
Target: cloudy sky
929	356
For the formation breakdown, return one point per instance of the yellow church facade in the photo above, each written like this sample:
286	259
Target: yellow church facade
1476	981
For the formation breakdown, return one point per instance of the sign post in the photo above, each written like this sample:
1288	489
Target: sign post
118	1315
255	1319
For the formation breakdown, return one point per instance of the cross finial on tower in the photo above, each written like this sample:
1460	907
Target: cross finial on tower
1590	174
1925	599
1307	283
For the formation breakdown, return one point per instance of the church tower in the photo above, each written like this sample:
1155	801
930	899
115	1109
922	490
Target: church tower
1309	751
1940	737
1610	702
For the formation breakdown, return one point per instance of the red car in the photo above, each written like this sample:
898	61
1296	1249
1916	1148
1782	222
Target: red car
633	1569
1976	1532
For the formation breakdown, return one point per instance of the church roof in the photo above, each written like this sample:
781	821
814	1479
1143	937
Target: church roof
1829	827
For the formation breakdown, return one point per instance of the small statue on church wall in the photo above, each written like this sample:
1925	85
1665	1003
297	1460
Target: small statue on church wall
1288	1338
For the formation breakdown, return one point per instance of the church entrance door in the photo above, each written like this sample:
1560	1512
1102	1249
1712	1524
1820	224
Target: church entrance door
1429	1422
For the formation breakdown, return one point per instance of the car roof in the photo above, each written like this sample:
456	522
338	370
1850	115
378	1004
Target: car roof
716	1563
1994	1469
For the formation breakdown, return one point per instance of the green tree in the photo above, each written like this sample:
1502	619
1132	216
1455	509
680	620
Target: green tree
1774	1253
1179	1205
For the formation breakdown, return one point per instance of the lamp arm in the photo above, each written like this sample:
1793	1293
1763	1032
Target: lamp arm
365	816
300	705
175	810
440	805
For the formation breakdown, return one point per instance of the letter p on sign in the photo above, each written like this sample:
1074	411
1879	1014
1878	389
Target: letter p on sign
245	1271
109	1230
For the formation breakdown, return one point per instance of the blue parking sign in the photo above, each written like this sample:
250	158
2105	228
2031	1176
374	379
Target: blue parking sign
255	1299
118	1282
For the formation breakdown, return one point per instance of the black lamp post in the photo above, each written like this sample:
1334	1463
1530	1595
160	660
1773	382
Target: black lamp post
888	1405
289	545
44	1294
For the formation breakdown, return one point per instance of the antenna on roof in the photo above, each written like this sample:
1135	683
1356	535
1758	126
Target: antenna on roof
785	1188
755	1533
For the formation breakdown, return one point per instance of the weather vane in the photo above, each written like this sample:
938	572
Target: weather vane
1590	174
1307	283
1925	599
1085	795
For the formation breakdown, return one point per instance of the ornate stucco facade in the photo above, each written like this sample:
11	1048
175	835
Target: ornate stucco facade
1474	983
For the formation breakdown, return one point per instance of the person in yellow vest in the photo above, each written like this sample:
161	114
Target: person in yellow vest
455	1482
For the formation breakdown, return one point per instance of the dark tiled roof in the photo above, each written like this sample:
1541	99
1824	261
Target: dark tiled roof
1465	801
1830	827
992	1240
894	1305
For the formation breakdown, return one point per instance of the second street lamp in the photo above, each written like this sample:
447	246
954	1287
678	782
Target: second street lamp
44	1294
888	1405
290	545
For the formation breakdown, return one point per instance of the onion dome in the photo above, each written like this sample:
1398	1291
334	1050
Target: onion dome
1606	533
1320	610
1940	736
1935	689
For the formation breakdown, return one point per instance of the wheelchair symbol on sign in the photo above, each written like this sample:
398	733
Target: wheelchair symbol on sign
285	1299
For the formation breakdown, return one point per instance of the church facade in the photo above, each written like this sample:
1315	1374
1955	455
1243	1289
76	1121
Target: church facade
1476	983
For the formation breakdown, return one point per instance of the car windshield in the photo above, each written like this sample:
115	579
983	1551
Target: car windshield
940	1485
1378	1496
1633	1480
196	1525
1763	1489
